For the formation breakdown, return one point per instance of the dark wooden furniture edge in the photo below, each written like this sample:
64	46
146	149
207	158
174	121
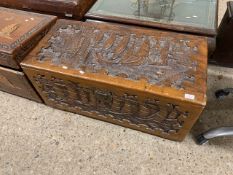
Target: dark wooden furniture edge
172	27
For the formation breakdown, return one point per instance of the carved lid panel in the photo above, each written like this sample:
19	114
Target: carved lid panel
17	27
197	16
148	60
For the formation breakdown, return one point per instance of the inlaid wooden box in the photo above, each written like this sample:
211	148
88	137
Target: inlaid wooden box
147	80
64	8
19	32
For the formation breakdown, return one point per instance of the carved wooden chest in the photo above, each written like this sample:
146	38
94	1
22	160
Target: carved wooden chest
63	8
147	80
19	32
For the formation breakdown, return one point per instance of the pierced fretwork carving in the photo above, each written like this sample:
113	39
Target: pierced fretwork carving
150	113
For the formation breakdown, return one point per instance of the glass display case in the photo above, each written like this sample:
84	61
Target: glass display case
195	16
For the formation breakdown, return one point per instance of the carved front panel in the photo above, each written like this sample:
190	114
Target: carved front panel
150	113
160	59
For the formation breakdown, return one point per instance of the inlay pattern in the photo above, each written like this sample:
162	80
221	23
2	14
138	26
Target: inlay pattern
20	31
7	30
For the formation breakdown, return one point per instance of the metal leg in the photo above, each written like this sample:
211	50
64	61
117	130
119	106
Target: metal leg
223	92
214	133
219	132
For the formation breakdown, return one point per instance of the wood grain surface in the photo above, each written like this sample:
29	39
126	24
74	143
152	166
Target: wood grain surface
64	8
15	82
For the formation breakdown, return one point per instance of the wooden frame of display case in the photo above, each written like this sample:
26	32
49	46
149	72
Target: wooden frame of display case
154	24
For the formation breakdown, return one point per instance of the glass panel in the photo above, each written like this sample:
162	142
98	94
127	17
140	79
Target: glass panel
194	13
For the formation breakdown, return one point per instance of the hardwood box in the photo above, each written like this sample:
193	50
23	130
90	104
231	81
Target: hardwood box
63	8
144	79
19	32
15	82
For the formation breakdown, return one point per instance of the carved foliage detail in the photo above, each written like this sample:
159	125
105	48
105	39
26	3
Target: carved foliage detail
160	60
150	114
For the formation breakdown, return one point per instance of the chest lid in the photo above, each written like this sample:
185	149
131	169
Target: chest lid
68	8
163	63
195	16
19	31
